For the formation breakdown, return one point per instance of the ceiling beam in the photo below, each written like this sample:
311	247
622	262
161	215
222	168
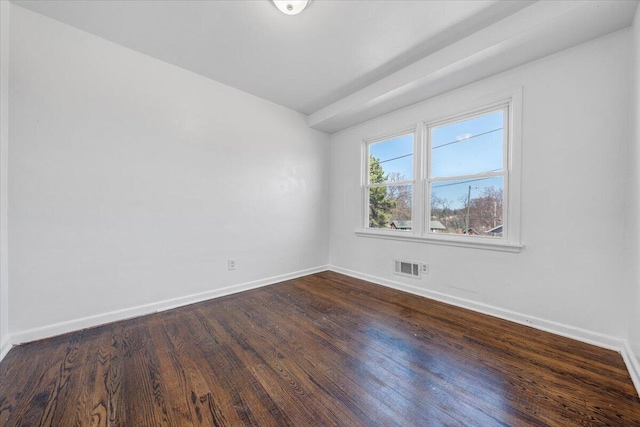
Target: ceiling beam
539	30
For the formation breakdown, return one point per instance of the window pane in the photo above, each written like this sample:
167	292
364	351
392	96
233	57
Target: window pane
391	160
484	199
390	207
468	147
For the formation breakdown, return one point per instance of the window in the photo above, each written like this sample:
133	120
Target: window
389	182
454	180
466	174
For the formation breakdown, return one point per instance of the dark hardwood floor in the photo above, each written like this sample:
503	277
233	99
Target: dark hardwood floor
322	350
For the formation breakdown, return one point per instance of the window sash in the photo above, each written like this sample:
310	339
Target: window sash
367	152
504	173
367	186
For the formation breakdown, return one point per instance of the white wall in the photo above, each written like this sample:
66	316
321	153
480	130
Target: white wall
576	198
132	182
4	141
634	324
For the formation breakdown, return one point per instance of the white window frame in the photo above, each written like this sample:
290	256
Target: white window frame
511	100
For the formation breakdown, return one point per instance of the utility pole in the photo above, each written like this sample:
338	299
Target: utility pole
466	230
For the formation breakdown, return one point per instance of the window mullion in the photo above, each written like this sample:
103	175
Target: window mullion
426	173
418	193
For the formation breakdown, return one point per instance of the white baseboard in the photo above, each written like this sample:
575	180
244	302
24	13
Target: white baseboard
589	337
601	340
633	366
612	343
5	346
20	337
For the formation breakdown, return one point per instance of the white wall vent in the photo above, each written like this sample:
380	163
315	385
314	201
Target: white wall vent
407	268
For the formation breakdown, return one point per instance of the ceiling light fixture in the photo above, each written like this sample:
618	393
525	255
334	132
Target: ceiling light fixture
291	7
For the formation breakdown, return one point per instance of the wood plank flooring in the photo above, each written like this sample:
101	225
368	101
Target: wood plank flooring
323	350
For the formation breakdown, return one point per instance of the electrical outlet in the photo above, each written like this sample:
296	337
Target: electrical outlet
231	264
424	267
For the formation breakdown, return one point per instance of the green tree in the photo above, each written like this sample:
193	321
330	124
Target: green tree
380	206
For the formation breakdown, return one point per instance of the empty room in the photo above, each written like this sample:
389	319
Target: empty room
319	213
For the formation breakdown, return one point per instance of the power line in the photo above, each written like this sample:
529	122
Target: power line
465	139
465	182
445	144
395	158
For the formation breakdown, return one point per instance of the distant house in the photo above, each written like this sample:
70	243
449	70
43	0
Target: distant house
495	231
436	225
401	225
406	225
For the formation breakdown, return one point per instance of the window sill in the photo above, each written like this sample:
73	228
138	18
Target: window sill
461	241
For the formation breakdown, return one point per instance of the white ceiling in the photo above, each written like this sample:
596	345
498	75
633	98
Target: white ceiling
335	51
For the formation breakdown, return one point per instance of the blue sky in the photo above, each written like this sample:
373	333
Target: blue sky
468	147
400	149
463	148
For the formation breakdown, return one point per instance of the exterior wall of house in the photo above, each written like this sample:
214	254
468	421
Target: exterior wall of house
573	274
133	182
